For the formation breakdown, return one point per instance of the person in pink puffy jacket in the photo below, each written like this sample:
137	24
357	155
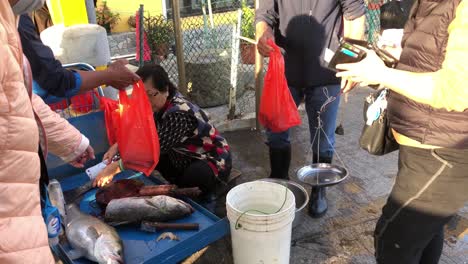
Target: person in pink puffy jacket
23	234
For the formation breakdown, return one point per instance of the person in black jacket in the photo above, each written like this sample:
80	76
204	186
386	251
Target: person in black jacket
55	80
308	31
393	17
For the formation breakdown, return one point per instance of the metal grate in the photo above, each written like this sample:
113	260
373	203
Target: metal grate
207	31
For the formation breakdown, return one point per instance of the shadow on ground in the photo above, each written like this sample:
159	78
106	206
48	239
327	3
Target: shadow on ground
344	235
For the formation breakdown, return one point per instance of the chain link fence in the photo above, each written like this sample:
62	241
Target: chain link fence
208	34
211	48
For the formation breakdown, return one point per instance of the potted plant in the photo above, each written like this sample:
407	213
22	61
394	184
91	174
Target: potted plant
160	33
248	31
106	18
131	22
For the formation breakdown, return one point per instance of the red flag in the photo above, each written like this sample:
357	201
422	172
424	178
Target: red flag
146	48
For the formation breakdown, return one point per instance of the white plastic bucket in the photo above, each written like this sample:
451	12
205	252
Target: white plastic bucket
261	238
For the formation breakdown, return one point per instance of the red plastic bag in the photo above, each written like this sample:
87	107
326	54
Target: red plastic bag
111	116
136	133
278	111
130	123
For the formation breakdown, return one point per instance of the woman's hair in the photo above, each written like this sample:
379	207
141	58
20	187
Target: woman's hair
393	15
159	77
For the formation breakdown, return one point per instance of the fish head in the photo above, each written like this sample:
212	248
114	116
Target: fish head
108	250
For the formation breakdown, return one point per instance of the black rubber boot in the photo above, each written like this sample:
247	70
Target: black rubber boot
318	205
280	159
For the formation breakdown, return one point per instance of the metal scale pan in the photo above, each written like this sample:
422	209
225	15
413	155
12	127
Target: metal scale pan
322	174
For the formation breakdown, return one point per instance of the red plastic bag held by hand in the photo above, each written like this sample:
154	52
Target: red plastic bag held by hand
278	111
137	135
111	116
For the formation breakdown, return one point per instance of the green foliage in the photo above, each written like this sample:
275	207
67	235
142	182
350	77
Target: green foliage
159	30
248	21
105	17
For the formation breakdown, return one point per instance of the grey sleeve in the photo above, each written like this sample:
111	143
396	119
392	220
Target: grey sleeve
267	11
353	9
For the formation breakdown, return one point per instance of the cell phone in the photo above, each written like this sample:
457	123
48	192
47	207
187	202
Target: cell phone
384	55
95	170
347	53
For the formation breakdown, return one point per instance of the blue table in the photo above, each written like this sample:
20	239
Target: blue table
139	247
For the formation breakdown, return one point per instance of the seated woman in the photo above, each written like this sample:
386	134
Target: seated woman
193	154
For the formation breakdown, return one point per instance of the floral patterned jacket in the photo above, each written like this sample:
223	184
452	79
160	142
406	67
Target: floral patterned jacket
185	134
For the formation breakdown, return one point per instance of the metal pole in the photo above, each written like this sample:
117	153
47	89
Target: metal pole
210	12
234	66
179	46
141	38
258	80
91	11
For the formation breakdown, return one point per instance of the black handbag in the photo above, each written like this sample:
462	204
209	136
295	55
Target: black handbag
377	138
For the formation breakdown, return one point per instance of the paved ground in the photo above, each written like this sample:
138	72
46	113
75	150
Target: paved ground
344	235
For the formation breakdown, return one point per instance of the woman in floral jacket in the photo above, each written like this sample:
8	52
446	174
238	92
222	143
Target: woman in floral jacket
193	153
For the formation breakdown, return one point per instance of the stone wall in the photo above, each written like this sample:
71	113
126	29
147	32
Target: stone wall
122	43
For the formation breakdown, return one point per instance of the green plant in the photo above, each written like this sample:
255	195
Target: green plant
160	33
105	17
248	21
132	21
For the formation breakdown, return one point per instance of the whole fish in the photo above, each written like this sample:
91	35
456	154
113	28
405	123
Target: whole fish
159	208
92	238
54	190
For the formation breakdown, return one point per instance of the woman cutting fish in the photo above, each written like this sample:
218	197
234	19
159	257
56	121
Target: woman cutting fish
193	153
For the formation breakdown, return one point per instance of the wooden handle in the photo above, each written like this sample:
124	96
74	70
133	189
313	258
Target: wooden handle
170	190
156	226
156	190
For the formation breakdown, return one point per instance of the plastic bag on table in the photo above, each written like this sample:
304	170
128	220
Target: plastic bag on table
278	111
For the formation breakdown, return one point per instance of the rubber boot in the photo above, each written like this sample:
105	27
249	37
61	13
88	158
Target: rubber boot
318	205
280	159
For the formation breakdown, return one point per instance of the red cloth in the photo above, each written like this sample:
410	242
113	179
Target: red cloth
146	48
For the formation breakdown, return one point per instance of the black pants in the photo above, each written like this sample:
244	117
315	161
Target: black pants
198	174
431	186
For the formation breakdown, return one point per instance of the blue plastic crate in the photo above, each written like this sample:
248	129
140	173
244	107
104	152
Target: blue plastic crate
139	246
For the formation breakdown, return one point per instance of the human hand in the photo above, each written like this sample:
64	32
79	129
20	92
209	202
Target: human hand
106	175
110	154
347	85
265	33
86	156
369	71
120	77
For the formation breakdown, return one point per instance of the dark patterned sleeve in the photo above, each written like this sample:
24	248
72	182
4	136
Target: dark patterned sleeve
174	128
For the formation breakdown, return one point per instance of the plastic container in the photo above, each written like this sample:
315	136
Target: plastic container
258	237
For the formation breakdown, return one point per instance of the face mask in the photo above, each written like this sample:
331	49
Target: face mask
27	6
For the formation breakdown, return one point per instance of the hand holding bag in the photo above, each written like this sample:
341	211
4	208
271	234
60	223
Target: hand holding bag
278	111
137	135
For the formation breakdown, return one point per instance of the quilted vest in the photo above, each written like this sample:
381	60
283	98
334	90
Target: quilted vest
424	46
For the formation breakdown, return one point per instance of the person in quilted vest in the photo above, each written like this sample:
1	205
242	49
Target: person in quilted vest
193	153
428	114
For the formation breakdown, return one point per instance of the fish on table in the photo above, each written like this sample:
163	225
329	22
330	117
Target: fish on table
92	238
159	208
